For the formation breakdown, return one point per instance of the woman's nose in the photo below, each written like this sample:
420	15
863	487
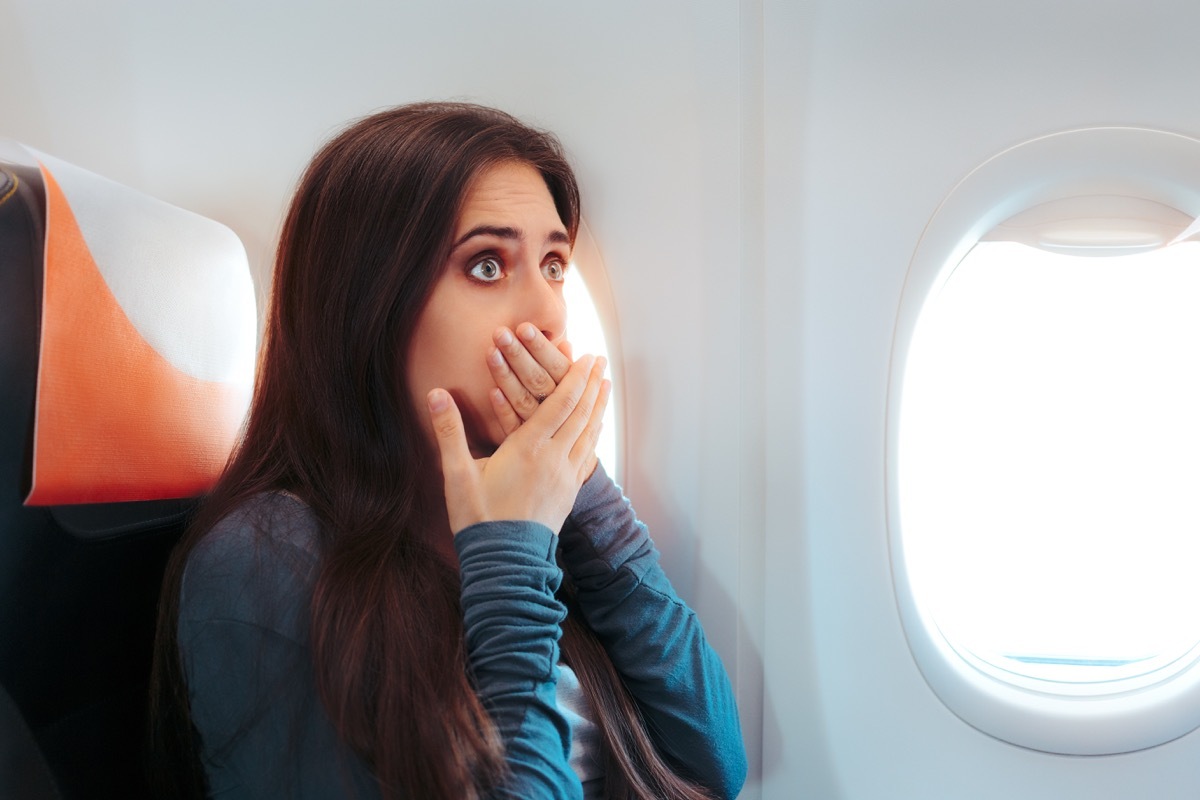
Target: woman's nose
543	306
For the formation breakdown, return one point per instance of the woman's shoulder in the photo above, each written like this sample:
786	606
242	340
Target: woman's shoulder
256	565
275	523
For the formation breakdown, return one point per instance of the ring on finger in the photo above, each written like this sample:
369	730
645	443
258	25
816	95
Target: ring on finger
539	398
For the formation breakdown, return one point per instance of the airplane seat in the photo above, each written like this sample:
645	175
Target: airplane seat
24	772
108	431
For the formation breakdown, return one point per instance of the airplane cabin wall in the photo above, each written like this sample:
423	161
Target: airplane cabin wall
757	175
875	111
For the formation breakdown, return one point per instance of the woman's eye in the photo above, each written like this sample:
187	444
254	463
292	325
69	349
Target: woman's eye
554	270
487	269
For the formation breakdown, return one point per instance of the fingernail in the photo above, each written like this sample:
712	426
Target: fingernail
495	358
504	338
438	400
527	332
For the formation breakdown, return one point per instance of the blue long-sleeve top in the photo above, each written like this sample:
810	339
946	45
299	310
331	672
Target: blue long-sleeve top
244	642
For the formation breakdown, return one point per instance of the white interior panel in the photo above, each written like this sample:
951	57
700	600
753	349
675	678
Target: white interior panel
898	102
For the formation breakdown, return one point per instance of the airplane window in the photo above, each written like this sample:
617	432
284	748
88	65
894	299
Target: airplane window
1047	463
592	328
587	336
1043	445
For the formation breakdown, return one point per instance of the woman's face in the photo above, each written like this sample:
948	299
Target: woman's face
508	255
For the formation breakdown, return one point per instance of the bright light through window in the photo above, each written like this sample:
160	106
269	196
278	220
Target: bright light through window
1049	461
587	336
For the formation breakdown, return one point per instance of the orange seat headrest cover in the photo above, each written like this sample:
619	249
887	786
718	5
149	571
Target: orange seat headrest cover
146	361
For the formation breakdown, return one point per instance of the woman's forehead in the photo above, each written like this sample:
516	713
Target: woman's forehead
510	195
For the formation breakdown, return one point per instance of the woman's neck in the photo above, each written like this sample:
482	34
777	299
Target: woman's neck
436	525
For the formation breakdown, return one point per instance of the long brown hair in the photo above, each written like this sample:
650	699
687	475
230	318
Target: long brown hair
331	422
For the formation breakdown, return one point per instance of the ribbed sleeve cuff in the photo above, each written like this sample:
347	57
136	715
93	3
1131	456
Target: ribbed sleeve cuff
510	615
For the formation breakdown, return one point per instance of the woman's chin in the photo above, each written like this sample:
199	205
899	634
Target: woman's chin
483	430
482	440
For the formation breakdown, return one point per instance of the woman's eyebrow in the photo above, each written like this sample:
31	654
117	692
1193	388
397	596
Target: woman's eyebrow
507	232
491	230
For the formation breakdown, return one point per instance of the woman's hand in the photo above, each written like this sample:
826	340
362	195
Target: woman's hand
536	473
526	368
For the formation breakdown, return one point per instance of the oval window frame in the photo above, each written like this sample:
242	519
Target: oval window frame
1140	162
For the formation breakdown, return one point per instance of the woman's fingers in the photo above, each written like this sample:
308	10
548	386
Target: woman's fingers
520	399
582	428
526	367
584	451
505	414
460	473
548	357
558	407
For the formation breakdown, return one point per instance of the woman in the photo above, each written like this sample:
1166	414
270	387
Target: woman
370	602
